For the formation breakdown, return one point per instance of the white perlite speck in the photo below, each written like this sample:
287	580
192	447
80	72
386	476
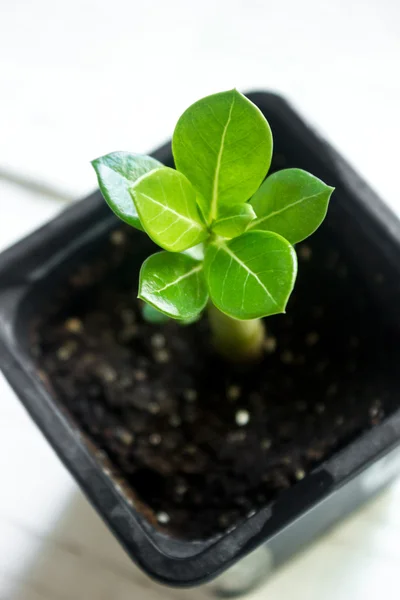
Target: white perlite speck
300	474
242	417
373	411
163	518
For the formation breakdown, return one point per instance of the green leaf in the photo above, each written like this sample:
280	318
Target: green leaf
190	321
116	172
155	317
167	207
173	284
292	203
223	144
152	315
196	252
252	275
233	220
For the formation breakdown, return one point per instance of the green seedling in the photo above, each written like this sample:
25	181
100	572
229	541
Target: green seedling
227	233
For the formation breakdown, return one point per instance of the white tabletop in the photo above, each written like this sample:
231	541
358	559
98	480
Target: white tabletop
85	77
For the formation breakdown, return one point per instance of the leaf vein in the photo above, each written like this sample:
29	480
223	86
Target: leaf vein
224	280
244	290
214	199
178	279
281	210
169	209
214	115
243	156
169	227
238	183
181	236
252	273
203	139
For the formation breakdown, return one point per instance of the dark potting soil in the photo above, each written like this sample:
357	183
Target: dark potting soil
202	443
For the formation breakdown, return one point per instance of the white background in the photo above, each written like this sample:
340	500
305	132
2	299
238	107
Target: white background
82	78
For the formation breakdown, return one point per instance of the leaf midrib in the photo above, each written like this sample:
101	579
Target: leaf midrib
280	211
169	209
214	199
231	218
249	271
176	281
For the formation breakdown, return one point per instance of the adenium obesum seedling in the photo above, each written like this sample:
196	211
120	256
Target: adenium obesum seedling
227	233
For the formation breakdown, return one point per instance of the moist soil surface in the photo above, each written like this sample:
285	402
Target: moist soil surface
203	443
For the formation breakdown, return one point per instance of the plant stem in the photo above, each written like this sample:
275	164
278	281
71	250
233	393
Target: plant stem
237	341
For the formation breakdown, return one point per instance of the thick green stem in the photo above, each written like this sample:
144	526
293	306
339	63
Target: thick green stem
237	341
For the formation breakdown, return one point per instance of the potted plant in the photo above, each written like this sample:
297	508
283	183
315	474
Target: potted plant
196	453
227	232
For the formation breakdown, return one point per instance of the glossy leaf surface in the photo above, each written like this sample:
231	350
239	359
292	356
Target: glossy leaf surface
233	220
173	284
152	315
116	173
292	203
166	204
252	275
223	144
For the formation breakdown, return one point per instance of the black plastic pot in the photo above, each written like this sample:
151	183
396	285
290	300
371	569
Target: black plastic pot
368	233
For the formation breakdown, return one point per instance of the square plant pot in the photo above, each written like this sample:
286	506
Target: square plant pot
144	416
